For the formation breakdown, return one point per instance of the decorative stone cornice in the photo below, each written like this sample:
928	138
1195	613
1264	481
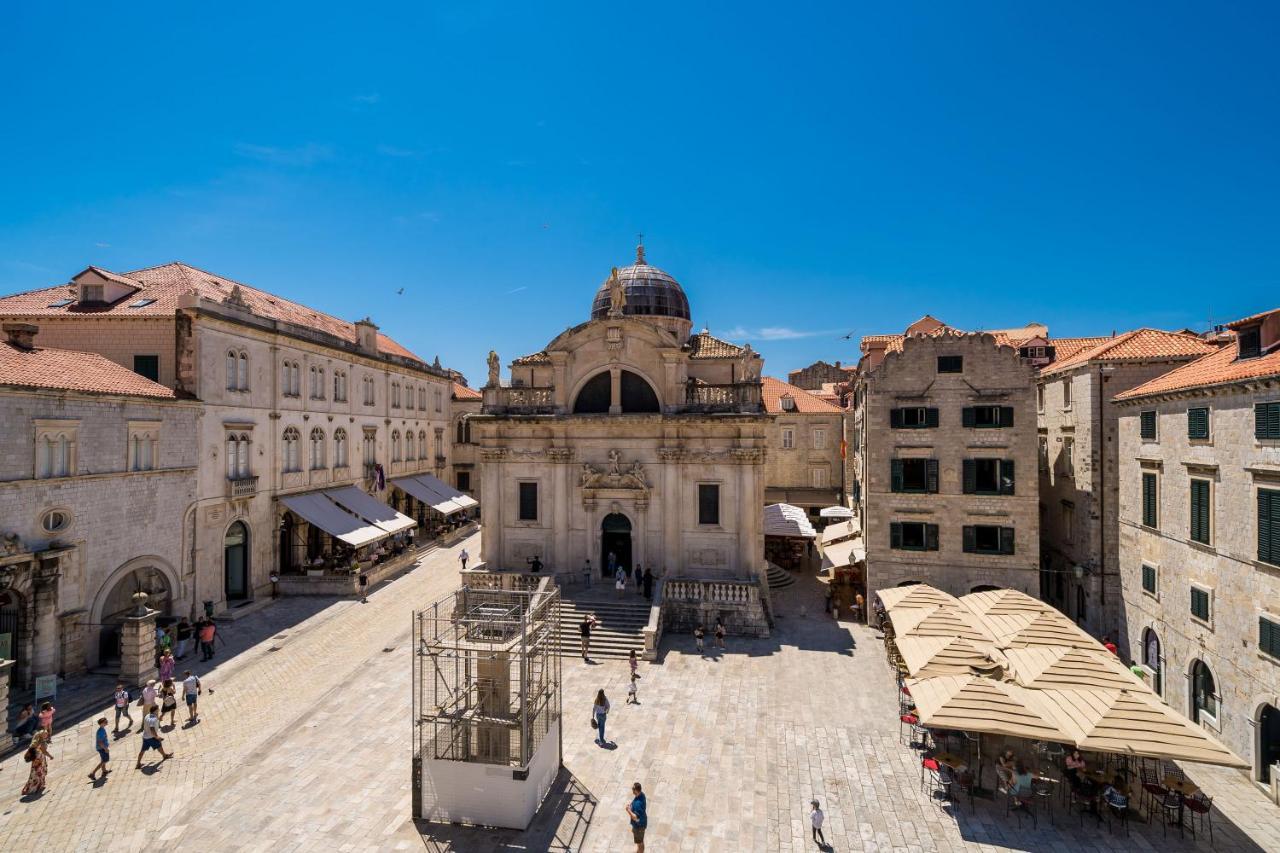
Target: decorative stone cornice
493	454
560	454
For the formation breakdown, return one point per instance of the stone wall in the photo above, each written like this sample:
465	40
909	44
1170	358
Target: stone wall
811	378
790	470
116	338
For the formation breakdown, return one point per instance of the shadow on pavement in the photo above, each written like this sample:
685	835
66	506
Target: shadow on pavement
560	825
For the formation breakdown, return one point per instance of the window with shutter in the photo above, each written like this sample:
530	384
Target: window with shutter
1266	420
1200	511
1269	637
1149	579
895	475
970	476
1147	426
1269	526
1200	603
1198	423
1006	540
988	417
931	417
895	419
1249	342
895	534
931	537
1006	477
708	503
931	471
913	536
1149	505
912	476
967	417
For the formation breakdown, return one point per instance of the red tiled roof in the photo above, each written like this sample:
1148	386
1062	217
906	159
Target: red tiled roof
1067	347
707	345
68	370
1245	321
1138	345
1216	368
166	284
1003	337
462	392
539	357
806	403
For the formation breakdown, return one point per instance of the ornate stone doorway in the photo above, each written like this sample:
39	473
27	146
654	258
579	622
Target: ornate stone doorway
235	561
615	538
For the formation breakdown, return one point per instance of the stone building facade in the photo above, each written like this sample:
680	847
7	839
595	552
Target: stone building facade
627	436
805	465
1079	465
1200	538
945	449
462	454
97	467
294	402
820	373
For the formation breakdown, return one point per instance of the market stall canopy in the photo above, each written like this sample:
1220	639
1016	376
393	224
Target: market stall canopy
1130	722
929	656
1065	668
1049	628
317	509
371	509
841	554
435	493
972	703
445	490
1004	602
841	530
787	520
835	512
914	595
938	621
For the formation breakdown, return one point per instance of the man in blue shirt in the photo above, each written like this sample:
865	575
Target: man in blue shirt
639	815
103	746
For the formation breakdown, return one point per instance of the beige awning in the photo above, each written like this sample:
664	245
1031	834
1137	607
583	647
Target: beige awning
370	508
1049	628
317	509
1130	722
787	520
1066	668
914	595
929	656
949	621
1004	602
841	554
841	530
972	703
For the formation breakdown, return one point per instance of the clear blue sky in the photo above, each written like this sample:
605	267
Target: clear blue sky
805	171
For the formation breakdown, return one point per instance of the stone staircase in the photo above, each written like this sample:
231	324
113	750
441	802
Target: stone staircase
780	578
620	625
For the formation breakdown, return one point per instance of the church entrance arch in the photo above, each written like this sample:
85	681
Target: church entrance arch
615	539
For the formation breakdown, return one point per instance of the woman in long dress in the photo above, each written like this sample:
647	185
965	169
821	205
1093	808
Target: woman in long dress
39	763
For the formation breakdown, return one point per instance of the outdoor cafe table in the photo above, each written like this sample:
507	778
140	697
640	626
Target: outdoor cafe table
947	758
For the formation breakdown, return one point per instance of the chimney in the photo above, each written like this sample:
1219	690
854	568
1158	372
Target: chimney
21	335
366	336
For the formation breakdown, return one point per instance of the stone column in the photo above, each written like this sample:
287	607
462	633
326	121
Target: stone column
615	390
73	641
138	646
495	499
560	520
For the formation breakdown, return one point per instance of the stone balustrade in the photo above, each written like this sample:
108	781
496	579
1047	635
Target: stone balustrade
713	591
521	399
733	397
689	602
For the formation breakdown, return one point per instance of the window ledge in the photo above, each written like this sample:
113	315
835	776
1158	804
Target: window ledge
1264	471
1201	546
1208	626
1155	596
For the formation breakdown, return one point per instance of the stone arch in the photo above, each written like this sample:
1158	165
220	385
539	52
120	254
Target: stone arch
1266	746
126	569
640	381
113	598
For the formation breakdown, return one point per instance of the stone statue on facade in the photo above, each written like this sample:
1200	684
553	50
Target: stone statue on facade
636	472
749	364
617	294
494	367
614	460
589	473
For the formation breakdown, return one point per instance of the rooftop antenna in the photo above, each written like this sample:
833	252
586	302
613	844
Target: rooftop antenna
640	248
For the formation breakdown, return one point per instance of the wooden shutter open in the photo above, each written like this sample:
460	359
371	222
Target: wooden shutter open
1006	540
931	537
967	417
970	476
1006	477
895	534
1006	416
931	476
895	419
895	475
970	539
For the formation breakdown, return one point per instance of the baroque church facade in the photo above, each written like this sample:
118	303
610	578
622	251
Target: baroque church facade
627	436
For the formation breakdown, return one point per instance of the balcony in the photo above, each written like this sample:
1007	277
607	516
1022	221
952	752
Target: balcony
524	400
734	397
242	487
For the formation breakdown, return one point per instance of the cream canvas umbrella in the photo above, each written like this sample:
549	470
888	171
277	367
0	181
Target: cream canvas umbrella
1003	602
1049	628
972	703
915	595
1066	668
946	621
929	656
1132	722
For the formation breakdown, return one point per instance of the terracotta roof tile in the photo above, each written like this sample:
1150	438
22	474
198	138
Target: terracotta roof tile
806	403
68	370
1067	347
1217	368
539	357
1245	321
1137	345
706	345
166	284
462	392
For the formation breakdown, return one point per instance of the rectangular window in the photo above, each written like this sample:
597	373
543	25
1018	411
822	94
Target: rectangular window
1069	457
1150	501
1069	521
913	476
528	502
913	536
988	539
1266	420
1249	342
1147	426
148	366
1066	393
819	439
987	417
818	477
1149	579
788	439
1040	398
913	417
91	293
1269	637
1269	526
708	503
950	364
1200	603
1044	454
464	481
988	477
1198	423
1201	512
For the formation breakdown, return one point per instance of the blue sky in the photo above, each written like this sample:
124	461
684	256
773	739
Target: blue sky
806	171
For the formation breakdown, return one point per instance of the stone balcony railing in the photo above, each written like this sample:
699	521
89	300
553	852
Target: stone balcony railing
734	397
521	400
242	487
711	591
689	602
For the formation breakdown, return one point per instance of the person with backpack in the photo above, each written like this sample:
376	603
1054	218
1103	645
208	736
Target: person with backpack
37	755
121	698
191	689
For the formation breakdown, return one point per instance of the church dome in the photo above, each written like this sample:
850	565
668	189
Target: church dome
650	293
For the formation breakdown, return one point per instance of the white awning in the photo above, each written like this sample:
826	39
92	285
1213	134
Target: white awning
370	508
787	520
435	493
841	530
443	489
333	519
840	554
836	512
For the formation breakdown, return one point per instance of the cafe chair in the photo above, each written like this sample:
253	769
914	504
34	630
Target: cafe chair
1171	807
940	781
1084	801
1152	791
1027	806
1200	808
928	764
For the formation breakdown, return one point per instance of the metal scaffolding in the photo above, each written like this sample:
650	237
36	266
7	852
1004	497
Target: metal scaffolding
486	680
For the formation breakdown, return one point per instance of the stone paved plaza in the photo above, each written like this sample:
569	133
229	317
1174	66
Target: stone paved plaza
305	746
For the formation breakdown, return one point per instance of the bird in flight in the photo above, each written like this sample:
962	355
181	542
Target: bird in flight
846	337
400	292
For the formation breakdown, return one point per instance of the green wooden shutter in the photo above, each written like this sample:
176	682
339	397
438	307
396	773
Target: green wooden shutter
1268	637
1149	515
931	537
1266	420
1148	424
895	475
1198	423
1006	477
931	418
967	417
1006	540
895	534
1149	578
1200	604
931	476
970	476
1006	416
1200	511
970	539
895	419
1269	526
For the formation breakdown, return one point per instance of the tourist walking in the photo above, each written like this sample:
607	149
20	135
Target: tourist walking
167	663
38	757
648	584
584	629
168	701
816	817
586	574
637	575
46	717
599	714
122	706
148	700
719	634
632	699
191	689
207	633
638	813
698	634
620	580
858	602
103	745
151	738
364	587
26	725
183	643
463	556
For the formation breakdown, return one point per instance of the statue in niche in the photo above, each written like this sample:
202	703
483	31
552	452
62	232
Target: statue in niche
494	367
614	461
617	294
